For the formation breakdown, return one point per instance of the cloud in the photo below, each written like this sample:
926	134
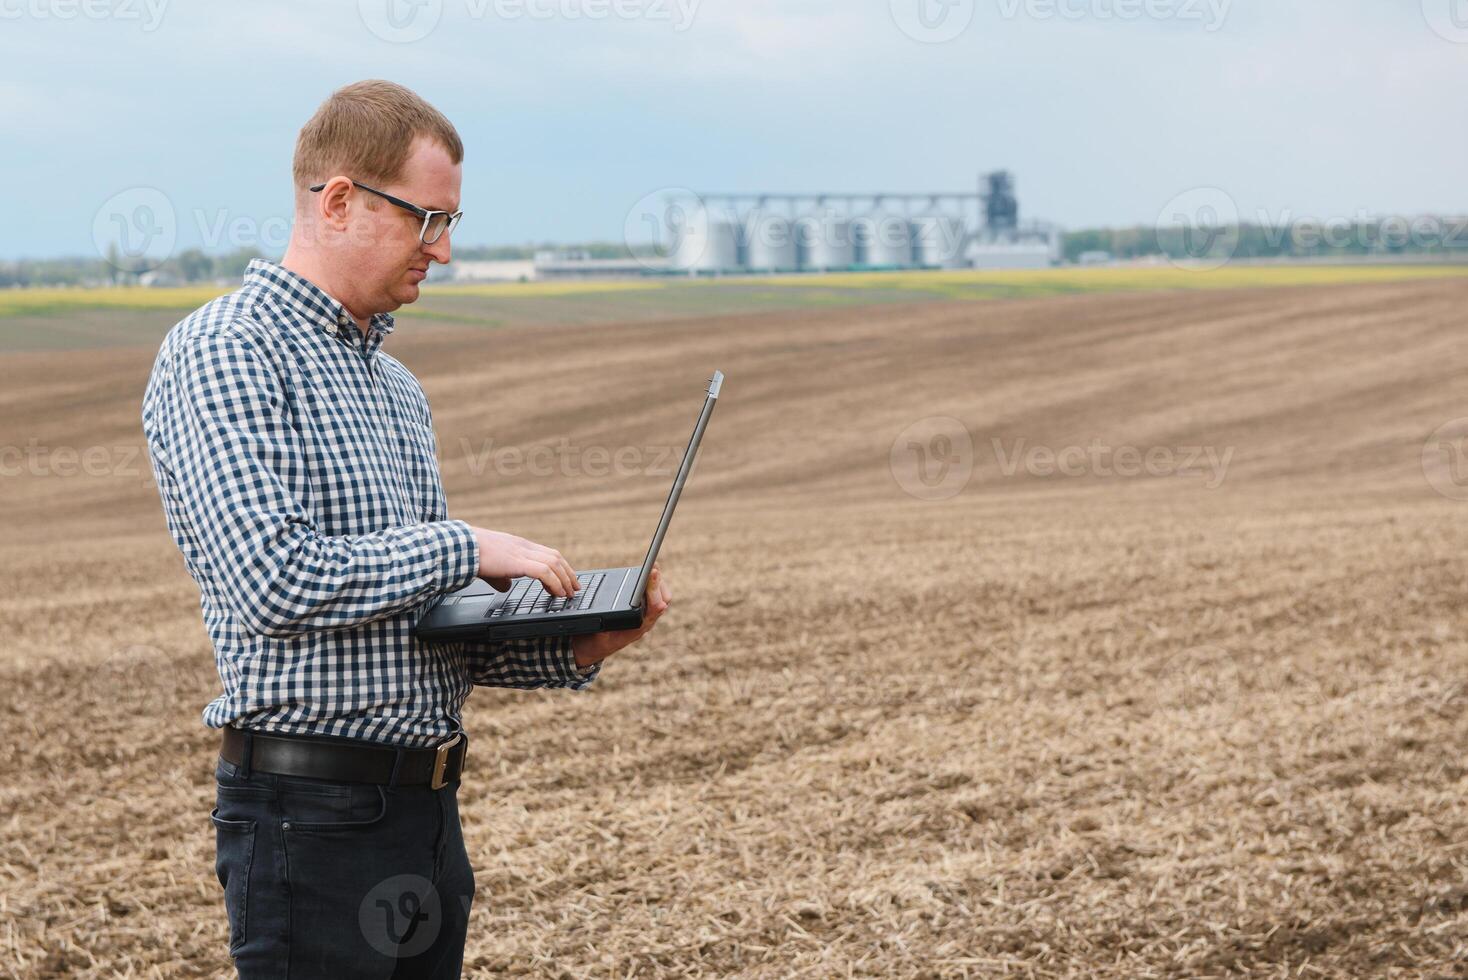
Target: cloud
1315	105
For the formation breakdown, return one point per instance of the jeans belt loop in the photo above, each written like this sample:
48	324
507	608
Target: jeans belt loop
247	753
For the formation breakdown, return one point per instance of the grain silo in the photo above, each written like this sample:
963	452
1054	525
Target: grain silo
883	240
769	242
707	242
937	241
823	242
849	230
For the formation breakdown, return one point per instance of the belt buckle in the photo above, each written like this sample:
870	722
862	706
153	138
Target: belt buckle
441	761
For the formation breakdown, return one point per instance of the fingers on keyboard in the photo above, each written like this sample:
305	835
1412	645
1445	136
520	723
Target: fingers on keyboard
535	599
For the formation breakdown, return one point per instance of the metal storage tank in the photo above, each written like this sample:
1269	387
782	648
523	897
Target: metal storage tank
824	242
937	241
883	240
1010	255
707	242
769	242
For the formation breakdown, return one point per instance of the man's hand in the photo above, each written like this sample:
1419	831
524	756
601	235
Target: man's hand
591	648
505	556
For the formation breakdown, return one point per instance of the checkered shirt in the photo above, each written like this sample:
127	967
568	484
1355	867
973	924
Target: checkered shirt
298	471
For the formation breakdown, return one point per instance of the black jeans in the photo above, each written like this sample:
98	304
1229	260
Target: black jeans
341	881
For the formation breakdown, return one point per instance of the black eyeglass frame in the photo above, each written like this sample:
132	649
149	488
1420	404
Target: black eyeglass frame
425	213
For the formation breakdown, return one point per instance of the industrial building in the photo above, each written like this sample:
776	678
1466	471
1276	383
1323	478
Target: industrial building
778	233
724	234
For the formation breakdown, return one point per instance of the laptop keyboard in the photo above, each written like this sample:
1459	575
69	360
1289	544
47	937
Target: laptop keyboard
529	596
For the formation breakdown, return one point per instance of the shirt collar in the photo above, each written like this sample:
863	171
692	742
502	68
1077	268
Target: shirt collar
314	305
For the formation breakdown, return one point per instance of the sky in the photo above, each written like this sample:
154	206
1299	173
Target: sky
574	111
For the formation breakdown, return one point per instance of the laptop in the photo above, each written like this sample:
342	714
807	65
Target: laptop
609	598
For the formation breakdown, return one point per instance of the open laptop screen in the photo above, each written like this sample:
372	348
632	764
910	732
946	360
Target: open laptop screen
683	469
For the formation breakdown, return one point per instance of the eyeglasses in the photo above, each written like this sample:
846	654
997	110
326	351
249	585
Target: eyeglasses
435	223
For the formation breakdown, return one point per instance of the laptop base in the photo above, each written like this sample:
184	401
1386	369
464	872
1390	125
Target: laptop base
469	613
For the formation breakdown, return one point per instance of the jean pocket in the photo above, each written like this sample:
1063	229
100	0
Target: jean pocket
327	808
234	853
231	785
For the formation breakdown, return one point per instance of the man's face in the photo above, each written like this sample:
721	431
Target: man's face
389	259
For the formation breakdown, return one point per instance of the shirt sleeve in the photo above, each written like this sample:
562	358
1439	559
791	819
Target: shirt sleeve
528	663
238	468
543	661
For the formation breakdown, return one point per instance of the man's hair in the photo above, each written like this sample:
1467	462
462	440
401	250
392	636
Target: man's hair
365	131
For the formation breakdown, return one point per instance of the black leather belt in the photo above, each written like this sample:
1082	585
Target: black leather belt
345	760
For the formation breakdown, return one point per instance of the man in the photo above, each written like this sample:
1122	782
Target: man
297	466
